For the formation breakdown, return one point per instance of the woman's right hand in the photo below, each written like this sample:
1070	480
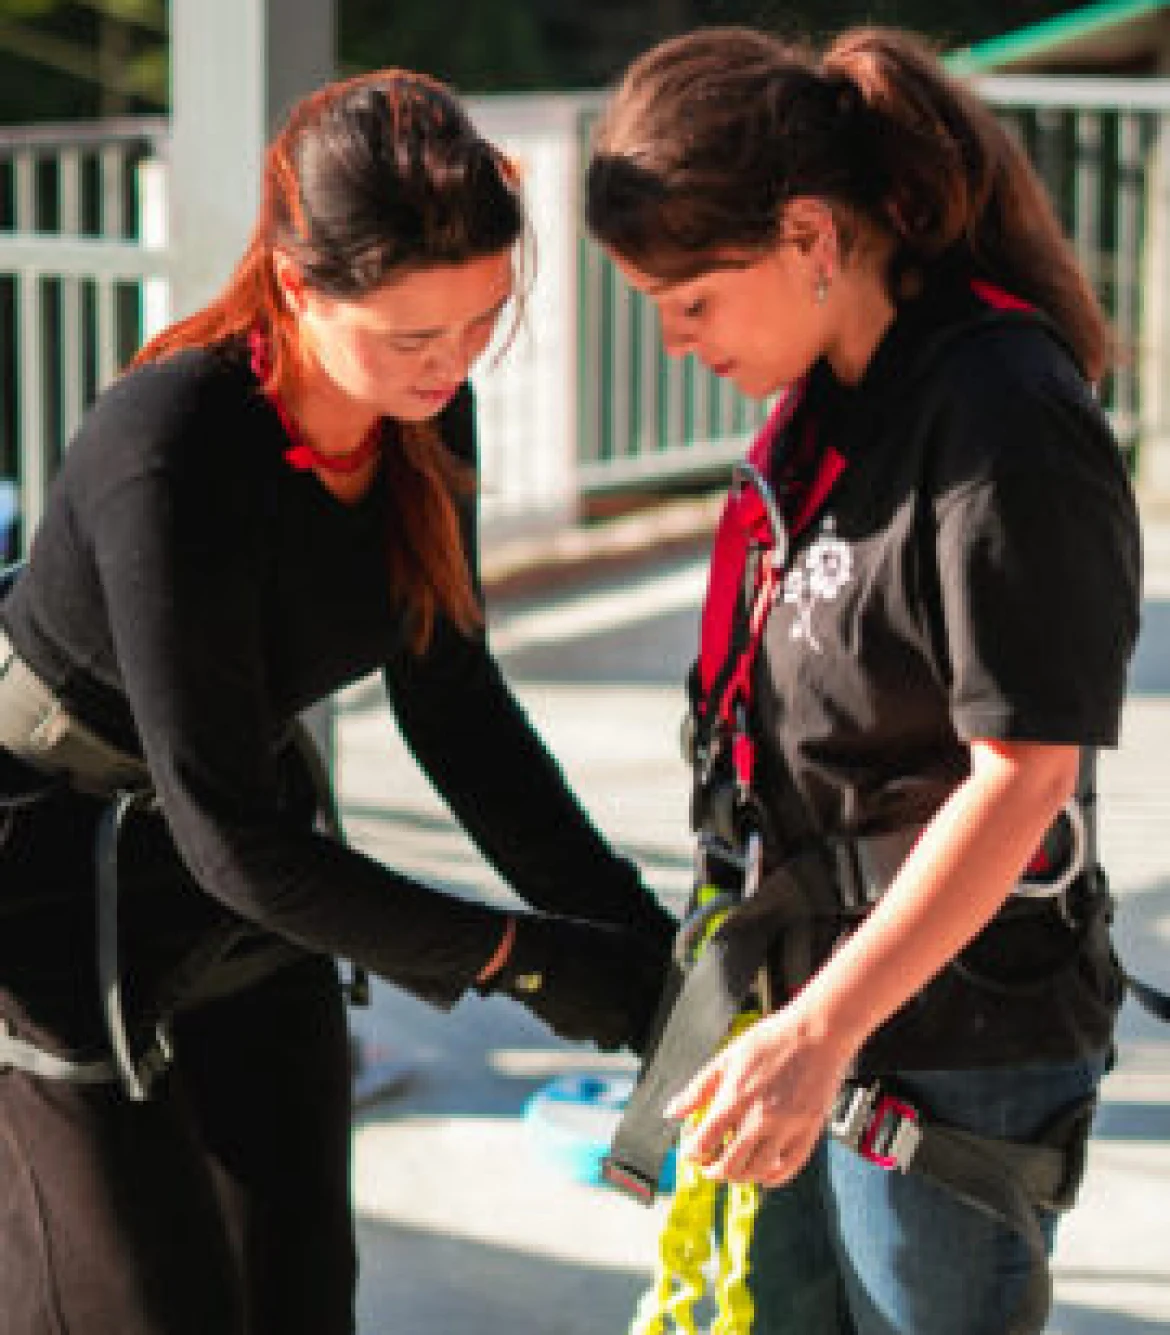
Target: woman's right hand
586	981
757	1109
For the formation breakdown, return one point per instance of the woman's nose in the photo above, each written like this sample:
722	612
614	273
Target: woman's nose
451	356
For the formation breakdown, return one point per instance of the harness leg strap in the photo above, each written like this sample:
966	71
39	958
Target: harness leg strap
135	1075
1009	1181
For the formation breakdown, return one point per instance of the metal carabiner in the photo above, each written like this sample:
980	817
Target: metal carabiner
700	923
1075	864
715	904
746	474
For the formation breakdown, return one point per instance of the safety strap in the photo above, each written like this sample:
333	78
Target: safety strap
19	1054
711	997
136	1074
1009	1181
1151	999
699	1209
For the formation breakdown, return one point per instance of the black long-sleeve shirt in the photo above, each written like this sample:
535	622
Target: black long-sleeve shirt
188	593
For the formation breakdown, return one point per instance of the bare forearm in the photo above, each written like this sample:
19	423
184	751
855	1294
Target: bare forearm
957	876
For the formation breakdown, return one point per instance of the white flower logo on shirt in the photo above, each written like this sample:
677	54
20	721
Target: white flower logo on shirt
827	567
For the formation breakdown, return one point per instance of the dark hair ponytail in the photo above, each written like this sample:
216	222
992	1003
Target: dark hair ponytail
959	183
711	133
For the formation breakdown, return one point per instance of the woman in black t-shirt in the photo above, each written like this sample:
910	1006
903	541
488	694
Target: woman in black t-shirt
944	643
278	499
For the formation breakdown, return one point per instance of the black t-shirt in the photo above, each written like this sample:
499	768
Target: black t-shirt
973	573
188	593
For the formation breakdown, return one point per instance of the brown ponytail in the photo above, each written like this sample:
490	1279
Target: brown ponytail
960	182
711	133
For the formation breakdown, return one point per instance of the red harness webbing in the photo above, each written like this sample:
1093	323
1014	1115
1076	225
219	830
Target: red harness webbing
744	525
743	521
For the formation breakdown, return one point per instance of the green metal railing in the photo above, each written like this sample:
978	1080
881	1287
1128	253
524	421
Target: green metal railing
647	421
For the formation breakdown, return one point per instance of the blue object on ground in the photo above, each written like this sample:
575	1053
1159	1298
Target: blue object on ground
573	1119
9	514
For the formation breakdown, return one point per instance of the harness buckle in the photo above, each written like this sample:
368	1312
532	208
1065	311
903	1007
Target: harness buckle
1051	885
698	926
628	1179
882	1129
138	1073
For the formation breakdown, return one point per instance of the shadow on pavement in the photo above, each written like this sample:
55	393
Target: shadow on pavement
473	1286
1069	1319
1139	934
1149	673
658	651
1127	1120
461	852
1074	1319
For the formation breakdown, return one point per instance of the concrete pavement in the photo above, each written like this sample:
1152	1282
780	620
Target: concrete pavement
465	1224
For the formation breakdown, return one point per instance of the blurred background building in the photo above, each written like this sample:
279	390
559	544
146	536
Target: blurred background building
130	141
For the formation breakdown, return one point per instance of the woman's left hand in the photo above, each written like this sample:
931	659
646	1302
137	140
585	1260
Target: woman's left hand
758	1108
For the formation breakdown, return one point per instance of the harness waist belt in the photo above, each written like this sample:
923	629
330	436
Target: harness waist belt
37	728
866	864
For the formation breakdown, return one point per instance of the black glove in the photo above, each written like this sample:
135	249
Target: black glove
651	921
585	980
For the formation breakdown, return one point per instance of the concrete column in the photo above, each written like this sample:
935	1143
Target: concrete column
236	68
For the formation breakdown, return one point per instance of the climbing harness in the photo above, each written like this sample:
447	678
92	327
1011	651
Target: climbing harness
752	925
37	729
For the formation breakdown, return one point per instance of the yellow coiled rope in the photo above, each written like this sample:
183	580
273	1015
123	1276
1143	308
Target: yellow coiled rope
685	1244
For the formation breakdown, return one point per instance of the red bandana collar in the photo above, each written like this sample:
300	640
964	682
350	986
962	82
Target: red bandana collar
300	454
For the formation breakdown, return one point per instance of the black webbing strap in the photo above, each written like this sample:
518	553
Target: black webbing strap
136	1075
1009	1181
965	1166
1150	998
711	996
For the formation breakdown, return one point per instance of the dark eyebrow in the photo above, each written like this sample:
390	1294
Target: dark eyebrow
475	319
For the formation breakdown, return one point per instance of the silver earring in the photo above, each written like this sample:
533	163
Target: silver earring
821	291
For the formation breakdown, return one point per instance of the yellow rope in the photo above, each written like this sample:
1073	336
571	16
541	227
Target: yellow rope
685	1247
735	1306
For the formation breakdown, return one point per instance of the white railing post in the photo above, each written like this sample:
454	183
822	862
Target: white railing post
154	234
1155	351
527	403
30	358
236	67
71	352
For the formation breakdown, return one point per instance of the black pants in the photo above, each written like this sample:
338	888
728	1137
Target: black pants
219	1207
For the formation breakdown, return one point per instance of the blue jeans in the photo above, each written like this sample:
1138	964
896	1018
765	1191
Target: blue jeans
850	1249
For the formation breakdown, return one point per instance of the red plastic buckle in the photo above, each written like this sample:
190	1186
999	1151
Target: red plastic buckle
743	758
889	1145
629	1180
